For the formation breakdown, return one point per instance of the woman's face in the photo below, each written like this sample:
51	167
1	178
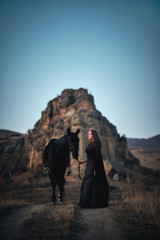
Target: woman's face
90	136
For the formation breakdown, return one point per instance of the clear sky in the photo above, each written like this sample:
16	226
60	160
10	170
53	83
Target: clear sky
111	48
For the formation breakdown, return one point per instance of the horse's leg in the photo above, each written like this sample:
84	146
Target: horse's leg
53	183
60	182
68	165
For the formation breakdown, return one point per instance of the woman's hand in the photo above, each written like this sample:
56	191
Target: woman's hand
94	173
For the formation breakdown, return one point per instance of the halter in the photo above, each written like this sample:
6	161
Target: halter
69	147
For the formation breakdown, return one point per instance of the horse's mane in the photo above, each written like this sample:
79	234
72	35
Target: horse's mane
63	138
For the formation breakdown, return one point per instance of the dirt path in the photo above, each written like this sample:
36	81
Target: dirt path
11	224
95	224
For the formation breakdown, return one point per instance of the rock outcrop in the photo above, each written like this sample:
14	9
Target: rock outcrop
74	109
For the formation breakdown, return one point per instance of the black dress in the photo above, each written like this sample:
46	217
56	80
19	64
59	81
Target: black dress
94	189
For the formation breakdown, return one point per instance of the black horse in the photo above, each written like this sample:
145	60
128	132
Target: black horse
56	157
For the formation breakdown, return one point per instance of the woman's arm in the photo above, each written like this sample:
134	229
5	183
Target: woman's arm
81	162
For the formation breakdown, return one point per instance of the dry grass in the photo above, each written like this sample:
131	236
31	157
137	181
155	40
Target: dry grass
10	200
50	222
145	203
137	212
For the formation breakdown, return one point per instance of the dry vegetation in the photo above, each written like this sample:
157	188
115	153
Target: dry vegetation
136	209
8	201
50	222
146	204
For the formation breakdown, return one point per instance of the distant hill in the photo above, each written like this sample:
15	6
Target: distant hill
7	133
149	157
153	142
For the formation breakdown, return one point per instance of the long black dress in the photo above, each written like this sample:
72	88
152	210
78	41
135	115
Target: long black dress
94	189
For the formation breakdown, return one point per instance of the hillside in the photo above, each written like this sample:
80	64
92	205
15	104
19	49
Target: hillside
146	150
153	142
149	157
7	133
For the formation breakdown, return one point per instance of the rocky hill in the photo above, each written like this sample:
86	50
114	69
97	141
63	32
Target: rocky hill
72	109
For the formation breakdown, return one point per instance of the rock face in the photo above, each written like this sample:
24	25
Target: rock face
75	109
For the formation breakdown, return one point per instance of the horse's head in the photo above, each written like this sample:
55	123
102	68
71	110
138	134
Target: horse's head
73	142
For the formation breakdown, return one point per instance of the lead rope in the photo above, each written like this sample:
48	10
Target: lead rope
79	172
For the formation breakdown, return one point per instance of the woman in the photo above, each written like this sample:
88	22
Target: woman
94	190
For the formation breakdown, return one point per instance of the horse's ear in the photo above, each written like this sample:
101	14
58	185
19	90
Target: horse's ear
77	132
68	131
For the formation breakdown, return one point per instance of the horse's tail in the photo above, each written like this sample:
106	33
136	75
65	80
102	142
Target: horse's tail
46	169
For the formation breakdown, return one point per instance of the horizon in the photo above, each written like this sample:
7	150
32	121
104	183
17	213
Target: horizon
111	48
117	132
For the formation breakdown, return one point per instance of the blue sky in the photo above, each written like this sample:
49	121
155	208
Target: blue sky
111	48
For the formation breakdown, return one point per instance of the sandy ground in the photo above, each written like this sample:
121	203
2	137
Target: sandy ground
11	224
